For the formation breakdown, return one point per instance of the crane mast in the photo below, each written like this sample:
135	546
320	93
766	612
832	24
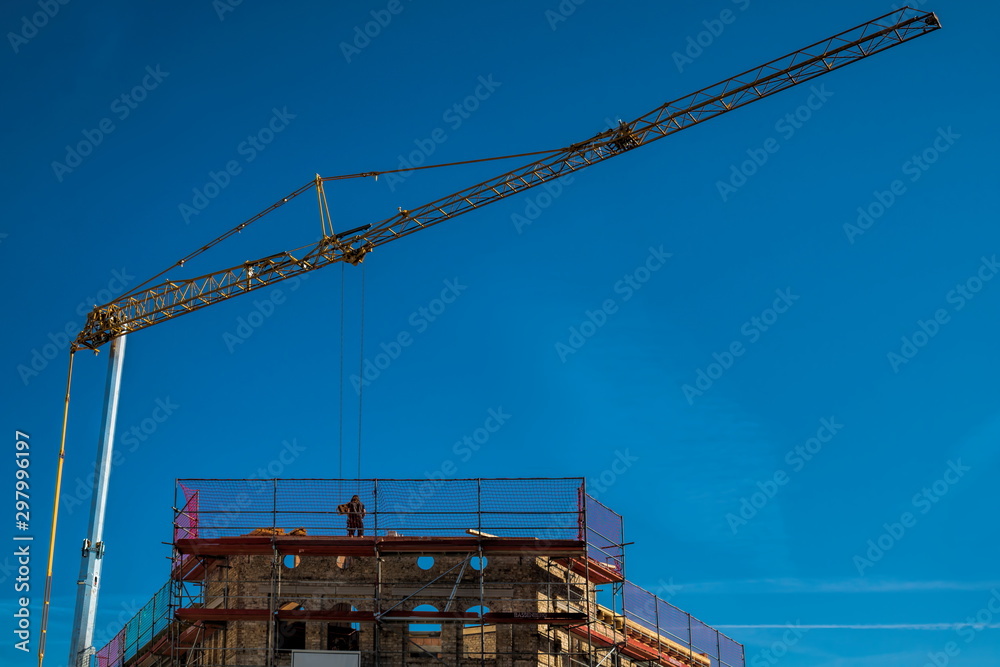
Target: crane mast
143	308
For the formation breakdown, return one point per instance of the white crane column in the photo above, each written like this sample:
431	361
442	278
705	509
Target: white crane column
93	545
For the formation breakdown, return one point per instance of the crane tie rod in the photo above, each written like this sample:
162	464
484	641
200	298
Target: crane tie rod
442	164
311	184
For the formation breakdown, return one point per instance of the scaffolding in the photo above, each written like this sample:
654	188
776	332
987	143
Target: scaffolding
444	572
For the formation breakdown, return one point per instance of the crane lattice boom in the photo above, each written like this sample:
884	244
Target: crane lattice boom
145	307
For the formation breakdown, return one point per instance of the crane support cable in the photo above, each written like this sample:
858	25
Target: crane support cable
324	208
439	164
143	308
235	230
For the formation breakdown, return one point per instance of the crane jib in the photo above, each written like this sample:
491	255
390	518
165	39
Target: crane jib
144	307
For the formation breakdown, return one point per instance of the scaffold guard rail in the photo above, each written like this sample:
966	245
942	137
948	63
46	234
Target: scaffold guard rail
662	618
539	508
605	534
543	508
139	632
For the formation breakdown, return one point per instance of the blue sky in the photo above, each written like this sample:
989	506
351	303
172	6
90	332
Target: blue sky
273	96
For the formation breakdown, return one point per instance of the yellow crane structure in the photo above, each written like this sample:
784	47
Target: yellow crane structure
148	305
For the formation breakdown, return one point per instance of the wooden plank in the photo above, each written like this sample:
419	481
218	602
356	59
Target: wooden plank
519	617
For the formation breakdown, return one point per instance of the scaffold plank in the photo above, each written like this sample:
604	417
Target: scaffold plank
593	570
196	614
370	546
593	635
419	616
549	618
188	569
644	651
249	545
494	545
193	614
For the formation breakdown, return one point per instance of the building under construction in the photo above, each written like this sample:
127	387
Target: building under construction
511	572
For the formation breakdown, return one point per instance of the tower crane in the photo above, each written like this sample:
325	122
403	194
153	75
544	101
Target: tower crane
147	305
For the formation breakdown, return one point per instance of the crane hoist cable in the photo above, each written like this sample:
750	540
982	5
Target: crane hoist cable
361	366
326	227
340	457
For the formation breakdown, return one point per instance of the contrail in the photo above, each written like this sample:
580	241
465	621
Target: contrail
858	626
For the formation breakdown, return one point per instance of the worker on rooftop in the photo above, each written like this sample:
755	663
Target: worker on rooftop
355	511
